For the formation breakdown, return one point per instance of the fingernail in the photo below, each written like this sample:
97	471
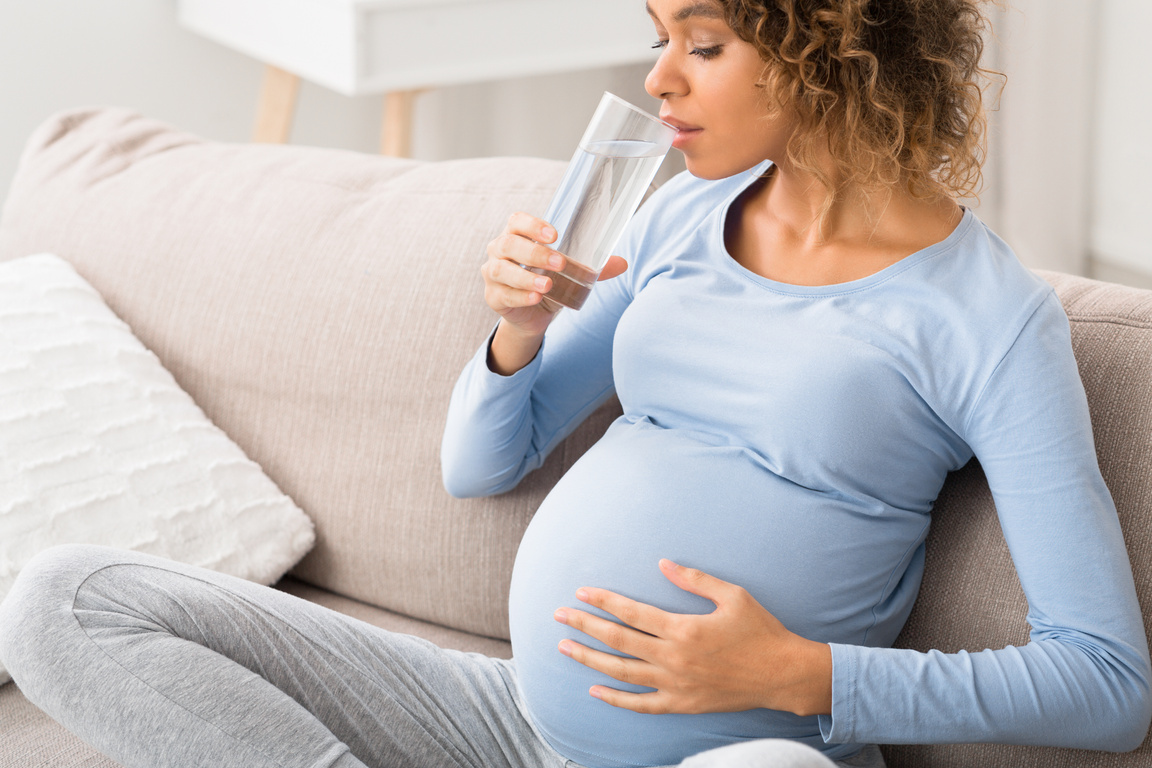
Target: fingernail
561	615
595	693
565	648
555	262
582	594
540	283
548	233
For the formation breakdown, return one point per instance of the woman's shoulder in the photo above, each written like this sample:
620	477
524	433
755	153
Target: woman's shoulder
959	309
984	298
980	271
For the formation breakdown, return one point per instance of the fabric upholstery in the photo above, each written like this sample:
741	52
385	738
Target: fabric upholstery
445	637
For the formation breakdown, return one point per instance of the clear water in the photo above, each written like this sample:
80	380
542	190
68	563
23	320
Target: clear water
614	175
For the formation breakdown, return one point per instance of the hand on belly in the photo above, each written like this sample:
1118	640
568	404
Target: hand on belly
737	657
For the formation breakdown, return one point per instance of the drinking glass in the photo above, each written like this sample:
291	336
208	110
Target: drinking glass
614	165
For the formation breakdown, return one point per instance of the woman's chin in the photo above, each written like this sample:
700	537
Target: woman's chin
712	169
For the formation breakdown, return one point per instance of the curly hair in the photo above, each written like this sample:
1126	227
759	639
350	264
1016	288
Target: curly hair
894	87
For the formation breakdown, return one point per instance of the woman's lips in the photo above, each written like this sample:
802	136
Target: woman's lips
684	136
685	132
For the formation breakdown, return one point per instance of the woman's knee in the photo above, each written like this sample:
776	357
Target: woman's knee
761	753
38	607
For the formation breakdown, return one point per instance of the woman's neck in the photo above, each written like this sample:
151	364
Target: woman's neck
783	231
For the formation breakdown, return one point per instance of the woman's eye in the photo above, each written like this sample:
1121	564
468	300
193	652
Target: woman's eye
704	53
707	53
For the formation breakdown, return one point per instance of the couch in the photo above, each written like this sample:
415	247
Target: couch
318	306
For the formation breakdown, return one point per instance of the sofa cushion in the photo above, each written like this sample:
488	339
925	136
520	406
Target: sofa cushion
445	637
318	305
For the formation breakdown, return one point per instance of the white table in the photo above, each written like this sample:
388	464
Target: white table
400	47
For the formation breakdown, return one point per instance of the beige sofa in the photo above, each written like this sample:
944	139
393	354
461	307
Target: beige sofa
319	304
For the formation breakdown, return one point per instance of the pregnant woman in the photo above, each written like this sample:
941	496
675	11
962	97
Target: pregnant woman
806	332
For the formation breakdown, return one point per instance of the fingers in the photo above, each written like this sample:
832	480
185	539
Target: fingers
641	616
614	267
504	274
699	583
522	242
531	227
644	703
630	671
626	670
519	249
512	274
616	636
509	286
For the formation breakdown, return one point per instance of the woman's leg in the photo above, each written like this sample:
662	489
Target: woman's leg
777	753
156	663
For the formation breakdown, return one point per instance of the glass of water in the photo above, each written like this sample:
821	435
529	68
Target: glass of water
613	167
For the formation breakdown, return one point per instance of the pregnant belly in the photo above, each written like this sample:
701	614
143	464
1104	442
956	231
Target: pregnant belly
643	493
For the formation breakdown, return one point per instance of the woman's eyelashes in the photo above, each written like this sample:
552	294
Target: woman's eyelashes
710	52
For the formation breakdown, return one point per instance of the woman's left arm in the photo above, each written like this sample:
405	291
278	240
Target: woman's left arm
1083	679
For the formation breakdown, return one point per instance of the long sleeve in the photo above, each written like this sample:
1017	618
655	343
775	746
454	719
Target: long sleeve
499	428
1083	679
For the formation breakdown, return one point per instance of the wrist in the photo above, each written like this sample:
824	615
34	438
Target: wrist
511	349
812	691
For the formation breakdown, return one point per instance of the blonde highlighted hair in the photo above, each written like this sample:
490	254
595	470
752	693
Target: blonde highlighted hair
893	88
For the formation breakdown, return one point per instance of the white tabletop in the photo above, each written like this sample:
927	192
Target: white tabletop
360	47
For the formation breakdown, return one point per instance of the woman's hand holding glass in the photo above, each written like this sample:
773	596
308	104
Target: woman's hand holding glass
515	292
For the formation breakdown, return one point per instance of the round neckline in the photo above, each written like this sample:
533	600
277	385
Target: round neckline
832	289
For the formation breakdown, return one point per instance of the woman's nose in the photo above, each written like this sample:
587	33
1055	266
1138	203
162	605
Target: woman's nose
663	81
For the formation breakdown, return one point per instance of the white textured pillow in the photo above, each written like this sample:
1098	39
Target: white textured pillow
98	444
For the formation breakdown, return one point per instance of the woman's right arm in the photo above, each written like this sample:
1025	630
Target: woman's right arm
522	393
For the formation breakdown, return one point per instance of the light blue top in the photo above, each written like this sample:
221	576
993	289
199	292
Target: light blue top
792	440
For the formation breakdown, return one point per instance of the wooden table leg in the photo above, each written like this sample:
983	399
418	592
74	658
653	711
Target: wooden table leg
396	134
277	105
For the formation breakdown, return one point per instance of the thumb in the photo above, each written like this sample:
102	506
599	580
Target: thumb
613	268
695	581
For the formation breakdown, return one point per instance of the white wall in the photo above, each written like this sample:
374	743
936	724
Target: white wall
1071	159
1042	137
1122	139
58	54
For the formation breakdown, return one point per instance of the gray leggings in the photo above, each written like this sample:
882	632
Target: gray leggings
156	664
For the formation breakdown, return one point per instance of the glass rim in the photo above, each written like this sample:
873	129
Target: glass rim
637	110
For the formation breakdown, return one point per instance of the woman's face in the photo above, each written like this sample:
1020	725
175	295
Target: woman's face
707	77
